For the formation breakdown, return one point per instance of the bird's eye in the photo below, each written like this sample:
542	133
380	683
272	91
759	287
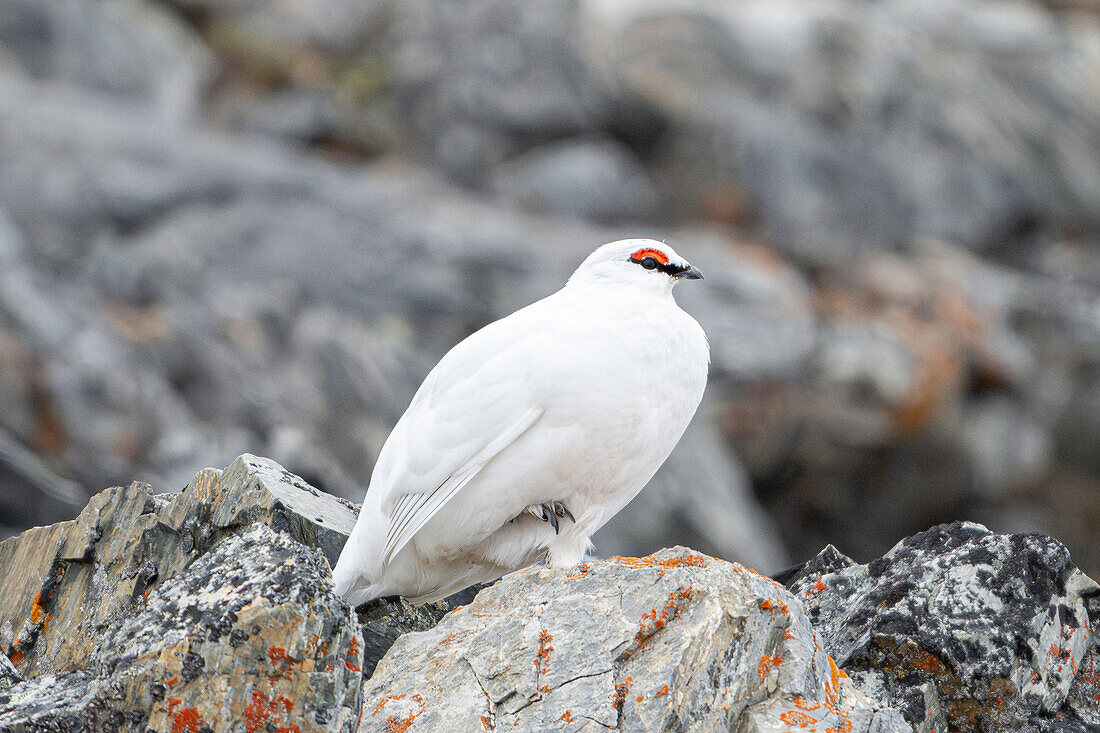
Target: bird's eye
648	263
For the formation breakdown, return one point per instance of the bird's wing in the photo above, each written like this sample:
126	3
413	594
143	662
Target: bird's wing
413	511
475	403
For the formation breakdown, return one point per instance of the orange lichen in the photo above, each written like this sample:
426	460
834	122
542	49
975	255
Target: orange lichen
187	720
844	727
927	662
281	662
621	691
265	714
767	663
774	605
385	699
447	639
395	724
566	717
661	692
353	651
638	563
816	587
16	655
37	610
788	634
652	621
793	717
542	656
832	685
803	704
1090	677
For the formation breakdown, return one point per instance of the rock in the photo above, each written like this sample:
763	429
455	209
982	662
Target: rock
9	675
209	607
847	132
250	635
137	53
480	81
597	180
676	640
384	620
64	582
962	629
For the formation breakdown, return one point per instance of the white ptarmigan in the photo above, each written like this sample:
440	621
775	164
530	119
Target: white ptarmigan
532	432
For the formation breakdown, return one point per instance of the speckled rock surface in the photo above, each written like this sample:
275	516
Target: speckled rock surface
385	620
9	675
64	582
963	629
249	634
674	641
218	598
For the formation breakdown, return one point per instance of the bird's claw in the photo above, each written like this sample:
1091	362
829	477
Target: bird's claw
551	512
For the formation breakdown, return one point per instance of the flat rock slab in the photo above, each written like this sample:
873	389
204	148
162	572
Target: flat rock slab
964	629
673	641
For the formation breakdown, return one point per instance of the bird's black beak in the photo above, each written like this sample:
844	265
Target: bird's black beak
692	273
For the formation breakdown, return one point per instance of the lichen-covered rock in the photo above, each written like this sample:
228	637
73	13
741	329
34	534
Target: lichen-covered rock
674	641
64	583
963	629
214	604
9	675
384	620
250	634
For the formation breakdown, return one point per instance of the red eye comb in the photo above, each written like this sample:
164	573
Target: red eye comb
650	252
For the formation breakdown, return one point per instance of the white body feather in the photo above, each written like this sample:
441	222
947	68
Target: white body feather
577	398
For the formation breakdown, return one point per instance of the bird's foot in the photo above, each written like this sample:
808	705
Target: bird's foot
551	512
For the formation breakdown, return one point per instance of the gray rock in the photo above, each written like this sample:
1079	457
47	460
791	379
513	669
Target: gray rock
65	583
851	125
480	80
384	620
249	634
9	675
135	52
674	640
597	180
961	628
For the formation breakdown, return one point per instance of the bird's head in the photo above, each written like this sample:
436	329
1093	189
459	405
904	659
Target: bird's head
646	263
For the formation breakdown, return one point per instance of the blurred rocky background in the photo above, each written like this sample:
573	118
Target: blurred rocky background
246	225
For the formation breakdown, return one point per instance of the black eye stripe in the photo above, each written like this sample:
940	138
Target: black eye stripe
668	268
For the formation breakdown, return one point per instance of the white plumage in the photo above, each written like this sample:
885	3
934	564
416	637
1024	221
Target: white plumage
573	402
